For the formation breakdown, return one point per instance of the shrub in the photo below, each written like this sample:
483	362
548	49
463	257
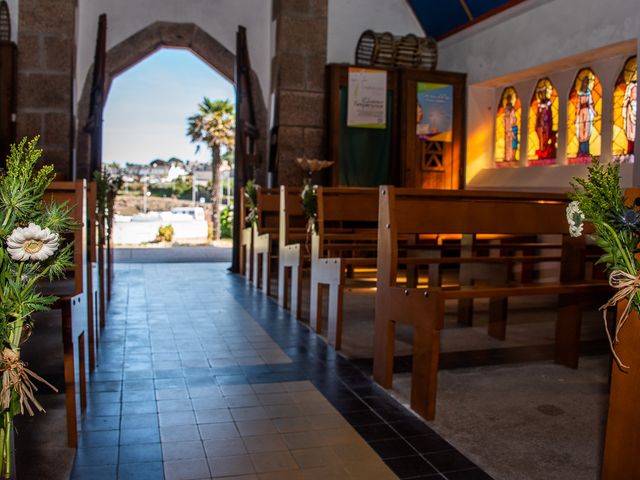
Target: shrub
165	233
226	222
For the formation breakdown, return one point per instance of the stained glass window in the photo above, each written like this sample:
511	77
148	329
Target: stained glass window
543	124
508	131
624	112
584	118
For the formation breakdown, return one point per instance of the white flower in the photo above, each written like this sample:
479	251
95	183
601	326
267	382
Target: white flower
32	243
575	218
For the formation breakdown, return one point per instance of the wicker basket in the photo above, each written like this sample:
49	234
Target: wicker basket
375	49
384	50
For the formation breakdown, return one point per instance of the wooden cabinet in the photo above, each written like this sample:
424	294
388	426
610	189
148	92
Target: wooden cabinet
431	163
396	154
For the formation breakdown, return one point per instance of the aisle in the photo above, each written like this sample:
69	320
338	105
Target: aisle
201	377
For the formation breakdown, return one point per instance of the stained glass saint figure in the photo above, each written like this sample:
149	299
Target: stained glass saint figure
585	113
629	112
544	126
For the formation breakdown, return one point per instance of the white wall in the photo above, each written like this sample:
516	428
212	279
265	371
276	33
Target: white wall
13	13
542	31
349	18
553	38
219	18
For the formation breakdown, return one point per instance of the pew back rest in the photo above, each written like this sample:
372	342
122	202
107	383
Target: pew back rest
92	222
413	211
268	209
75	194
292	221
347	213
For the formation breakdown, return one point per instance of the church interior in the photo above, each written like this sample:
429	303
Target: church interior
411	293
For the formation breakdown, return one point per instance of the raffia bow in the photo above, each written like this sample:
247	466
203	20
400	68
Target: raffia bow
627	286
15	377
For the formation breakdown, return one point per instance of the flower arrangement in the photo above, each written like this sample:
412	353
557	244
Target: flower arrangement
108	186
598	199
251	195
32	250
309	191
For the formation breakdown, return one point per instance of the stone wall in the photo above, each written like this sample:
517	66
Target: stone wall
45	73
298	80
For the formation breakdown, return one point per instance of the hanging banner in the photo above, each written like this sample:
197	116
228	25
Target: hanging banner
435	112
367	98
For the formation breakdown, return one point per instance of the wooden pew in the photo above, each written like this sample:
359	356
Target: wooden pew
412	211
291	249
246	240
346	226
72	293
264	235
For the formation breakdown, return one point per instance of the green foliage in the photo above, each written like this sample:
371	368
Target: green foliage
22	189
309	198
617	227
165	233
251	196
108	187
226	222
181	187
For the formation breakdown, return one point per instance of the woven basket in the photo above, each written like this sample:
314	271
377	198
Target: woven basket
384	50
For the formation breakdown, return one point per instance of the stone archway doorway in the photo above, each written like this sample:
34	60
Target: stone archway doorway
144	43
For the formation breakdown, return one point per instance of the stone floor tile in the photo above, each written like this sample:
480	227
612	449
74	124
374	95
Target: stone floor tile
194	468
182	450
273	461
231	465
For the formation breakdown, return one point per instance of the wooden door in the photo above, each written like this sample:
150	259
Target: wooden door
437	163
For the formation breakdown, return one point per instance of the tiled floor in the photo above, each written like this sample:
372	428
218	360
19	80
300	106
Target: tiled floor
200	376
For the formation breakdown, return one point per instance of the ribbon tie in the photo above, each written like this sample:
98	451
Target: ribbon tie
15	377
627	285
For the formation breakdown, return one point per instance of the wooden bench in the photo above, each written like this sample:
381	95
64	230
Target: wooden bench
291	249
72	293
412	211
265	233
346	227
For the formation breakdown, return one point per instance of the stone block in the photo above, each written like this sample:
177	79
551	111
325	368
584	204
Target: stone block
132	50
56	129
300	8
302	109
291	139
29	125
58	157
315	73
290	71
288	171
176	34
302	35
46	16
42	91
213	53
31	55
314	146
58	53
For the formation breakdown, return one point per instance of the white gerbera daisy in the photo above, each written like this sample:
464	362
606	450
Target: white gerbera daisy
32	243
575	219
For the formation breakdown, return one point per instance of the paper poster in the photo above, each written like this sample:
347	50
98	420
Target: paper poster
435	112
367	98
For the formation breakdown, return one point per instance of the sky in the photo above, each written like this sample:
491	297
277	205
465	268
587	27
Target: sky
146	113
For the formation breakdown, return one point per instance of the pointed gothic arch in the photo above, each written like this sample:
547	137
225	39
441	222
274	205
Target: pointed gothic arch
144	43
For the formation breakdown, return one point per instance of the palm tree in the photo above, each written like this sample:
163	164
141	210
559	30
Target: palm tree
213	125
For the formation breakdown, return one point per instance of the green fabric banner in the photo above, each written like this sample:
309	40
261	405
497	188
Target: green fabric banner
365	153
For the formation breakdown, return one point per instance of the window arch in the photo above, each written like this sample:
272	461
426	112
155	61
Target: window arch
543	124
508	128
584	118
624	111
